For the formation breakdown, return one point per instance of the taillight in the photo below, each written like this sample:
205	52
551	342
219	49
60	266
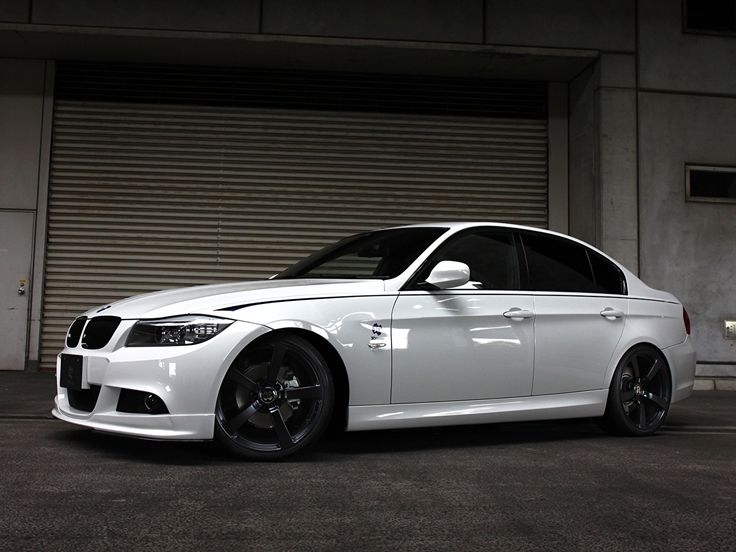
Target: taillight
686	320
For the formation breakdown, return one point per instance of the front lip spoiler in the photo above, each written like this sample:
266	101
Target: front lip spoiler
161	427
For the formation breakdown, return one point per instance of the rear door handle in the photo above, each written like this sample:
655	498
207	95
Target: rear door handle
611	314
518	314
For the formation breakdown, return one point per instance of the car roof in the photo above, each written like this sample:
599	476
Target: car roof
463	225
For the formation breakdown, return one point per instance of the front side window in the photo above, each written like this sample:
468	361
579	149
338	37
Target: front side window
382	255
490	255
558	264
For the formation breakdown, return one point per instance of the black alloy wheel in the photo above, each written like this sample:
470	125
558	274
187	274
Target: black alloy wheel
275	400
640	393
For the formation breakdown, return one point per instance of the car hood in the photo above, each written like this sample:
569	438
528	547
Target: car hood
211	299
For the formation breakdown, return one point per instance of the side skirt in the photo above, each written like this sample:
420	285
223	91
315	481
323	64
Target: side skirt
583	404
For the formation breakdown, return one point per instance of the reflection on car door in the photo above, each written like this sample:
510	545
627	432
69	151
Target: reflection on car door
457	344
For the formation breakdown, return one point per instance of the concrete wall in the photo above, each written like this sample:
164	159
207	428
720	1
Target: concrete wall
603	157
584	145
25	112
689	248
687	114
617	158
604	24
607	25
21	108
15	11
676	61
425	20
234	16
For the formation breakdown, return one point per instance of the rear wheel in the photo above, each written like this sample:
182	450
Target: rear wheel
640	393
275	400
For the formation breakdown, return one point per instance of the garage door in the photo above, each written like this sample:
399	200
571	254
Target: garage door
169	176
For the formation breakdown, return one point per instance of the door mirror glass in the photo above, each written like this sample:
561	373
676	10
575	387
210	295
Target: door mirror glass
448	274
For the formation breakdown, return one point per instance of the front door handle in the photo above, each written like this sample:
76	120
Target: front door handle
611	314
518	314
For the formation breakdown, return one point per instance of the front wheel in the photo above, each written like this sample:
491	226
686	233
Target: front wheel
275	400
640	393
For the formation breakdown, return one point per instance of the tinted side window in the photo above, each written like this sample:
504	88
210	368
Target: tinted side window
556	264
608	277
491	257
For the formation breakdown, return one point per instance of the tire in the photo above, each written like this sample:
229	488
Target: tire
275	400
640	393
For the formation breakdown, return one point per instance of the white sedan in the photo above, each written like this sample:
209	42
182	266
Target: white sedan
425	325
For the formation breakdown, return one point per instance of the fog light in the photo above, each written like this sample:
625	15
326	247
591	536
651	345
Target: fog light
153	404
140	402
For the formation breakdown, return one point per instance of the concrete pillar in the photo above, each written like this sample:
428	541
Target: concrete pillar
583	178
603	157
617	159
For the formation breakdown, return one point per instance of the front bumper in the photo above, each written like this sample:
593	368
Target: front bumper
159	426
186	378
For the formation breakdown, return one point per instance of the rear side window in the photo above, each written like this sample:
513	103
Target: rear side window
608	277
557	264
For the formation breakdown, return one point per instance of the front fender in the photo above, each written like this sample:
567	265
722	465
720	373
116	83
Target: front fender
349	325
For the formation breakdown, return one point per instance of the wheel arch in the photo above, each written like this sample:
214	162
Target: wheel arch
616	359
334	362
617	418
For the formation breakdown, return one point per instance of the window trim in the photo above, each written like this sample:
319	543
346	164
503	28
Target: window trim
714	168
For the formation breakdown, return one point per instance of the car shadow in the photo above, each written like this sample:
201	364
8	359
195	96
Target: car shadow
335	447
451	437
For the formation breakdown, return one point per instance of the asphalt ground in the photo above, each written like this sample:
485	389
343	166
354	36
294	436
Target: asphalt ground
528	486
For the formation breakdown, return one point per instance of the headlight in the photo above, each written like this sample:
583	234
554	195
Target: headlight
179	330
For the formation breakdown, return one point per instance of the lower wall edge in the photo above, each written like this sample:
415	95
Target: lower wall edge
705	383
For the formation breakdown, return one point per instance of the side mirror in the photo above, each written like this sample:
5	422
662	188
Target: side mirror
449	274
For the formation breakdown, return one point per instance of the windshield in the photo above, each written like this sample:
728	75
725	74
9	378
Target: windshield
382	255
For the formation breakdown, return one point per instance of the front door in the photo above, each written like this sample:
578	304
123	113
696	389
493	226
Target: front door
473	342
16	229
458	345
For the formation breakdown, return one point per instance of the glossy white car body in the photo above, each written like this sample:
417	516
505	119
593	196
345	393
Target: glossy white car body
412	358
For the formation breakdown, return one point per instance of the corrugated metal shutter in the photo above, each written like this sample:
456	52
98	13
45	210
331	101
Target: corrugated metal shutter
150	189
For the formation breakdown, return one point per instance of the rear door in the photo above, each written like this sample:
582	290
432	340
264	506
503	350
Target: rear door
580	310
